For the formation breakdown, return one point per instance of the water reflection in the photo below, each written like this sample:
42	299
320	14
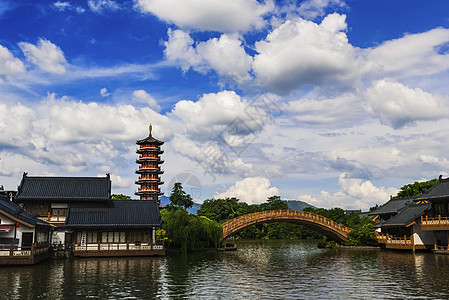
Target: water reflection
258	270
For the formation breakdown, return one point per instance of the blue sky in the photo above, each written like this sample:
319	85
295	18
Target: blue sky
333	102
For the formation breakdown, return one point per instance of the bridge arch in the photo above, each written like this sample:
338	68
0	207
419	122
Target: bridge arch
325	226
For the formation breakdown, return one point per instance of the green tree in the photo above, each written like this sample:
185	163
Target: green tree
120	197
222	210
416	188
273	203
179	198
189	232
362	233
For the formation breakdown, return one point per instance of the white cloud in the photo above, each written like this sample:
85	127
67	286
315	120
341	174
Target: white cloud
15	124
413	54
215	15
353	194
104	92
64	6
99	6
8	63
225	55
45	55
310	9
222	114
67	120
121	182
398	105
143	97
302	52
252	190
337	112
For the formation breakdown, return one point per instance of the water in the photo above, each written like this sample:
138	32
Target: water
258	270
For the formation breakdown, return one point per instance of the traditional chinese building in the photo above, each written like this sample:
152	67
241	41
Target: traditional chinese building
88	222
149	168
24	239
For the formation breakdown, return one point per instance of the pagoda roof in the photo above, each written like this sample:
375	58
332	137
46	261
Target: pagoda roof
64	188
14	211
117	213
149	139
407	215
440	190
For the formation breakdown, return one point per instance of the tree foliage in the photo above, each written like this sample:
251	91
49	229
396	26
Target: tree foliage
179	198
189	232
120	197
416	188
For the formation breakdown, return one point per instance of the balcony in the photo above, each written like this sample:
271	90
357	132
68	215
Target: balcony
437	223
119	249
24	256
395	242
57	220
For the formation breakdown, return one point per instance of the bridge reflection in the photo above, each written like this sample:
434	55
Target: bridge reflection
325	226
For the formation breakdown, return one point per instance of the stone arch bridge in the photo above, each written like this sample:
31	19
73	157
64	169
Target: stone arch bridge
325	226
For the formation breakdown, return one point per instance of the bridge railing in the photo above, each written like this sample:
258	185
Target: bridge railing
282	214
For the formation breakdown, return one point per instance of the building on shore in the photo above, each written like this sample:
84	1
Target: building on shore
88	222
120	228
416	223
149	169
49	198
24	239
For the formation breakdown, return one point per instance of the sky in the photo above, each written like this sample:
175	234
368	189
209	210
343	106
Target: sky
334	102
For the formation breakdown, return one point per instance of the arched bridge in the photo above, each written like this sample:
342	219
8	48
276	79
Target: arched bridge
327	227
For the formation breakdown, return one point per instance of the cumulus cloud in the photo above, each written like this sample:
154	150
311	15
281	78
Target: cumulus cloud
354	193
8	63
121	182
302	52
143	97
224	114
45	55
215	15
68	120
413	55
15	124
225	55
252	190
397	105
311	9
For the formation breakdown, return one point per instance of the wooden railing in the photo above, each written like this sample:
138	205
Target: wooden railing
119	246
232	226
14	251
52	218
437	223
395	242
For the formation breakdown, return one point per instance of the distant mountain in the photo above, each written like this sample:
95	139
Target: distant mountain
297	204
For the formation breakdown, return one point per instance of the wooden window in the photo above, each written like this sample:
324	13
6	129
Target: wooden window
113	237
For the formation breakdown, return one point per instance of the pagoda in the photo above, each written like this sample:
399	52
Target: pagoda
149	168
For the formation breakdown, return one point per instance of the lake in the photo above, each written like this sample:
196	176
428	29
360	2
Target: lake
267	269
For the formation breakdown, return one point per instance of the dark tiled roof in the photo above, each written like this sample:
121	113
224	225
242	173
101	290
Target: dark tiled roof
392	206
149	139
117	213
407	215
64	188
438	191
16	211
